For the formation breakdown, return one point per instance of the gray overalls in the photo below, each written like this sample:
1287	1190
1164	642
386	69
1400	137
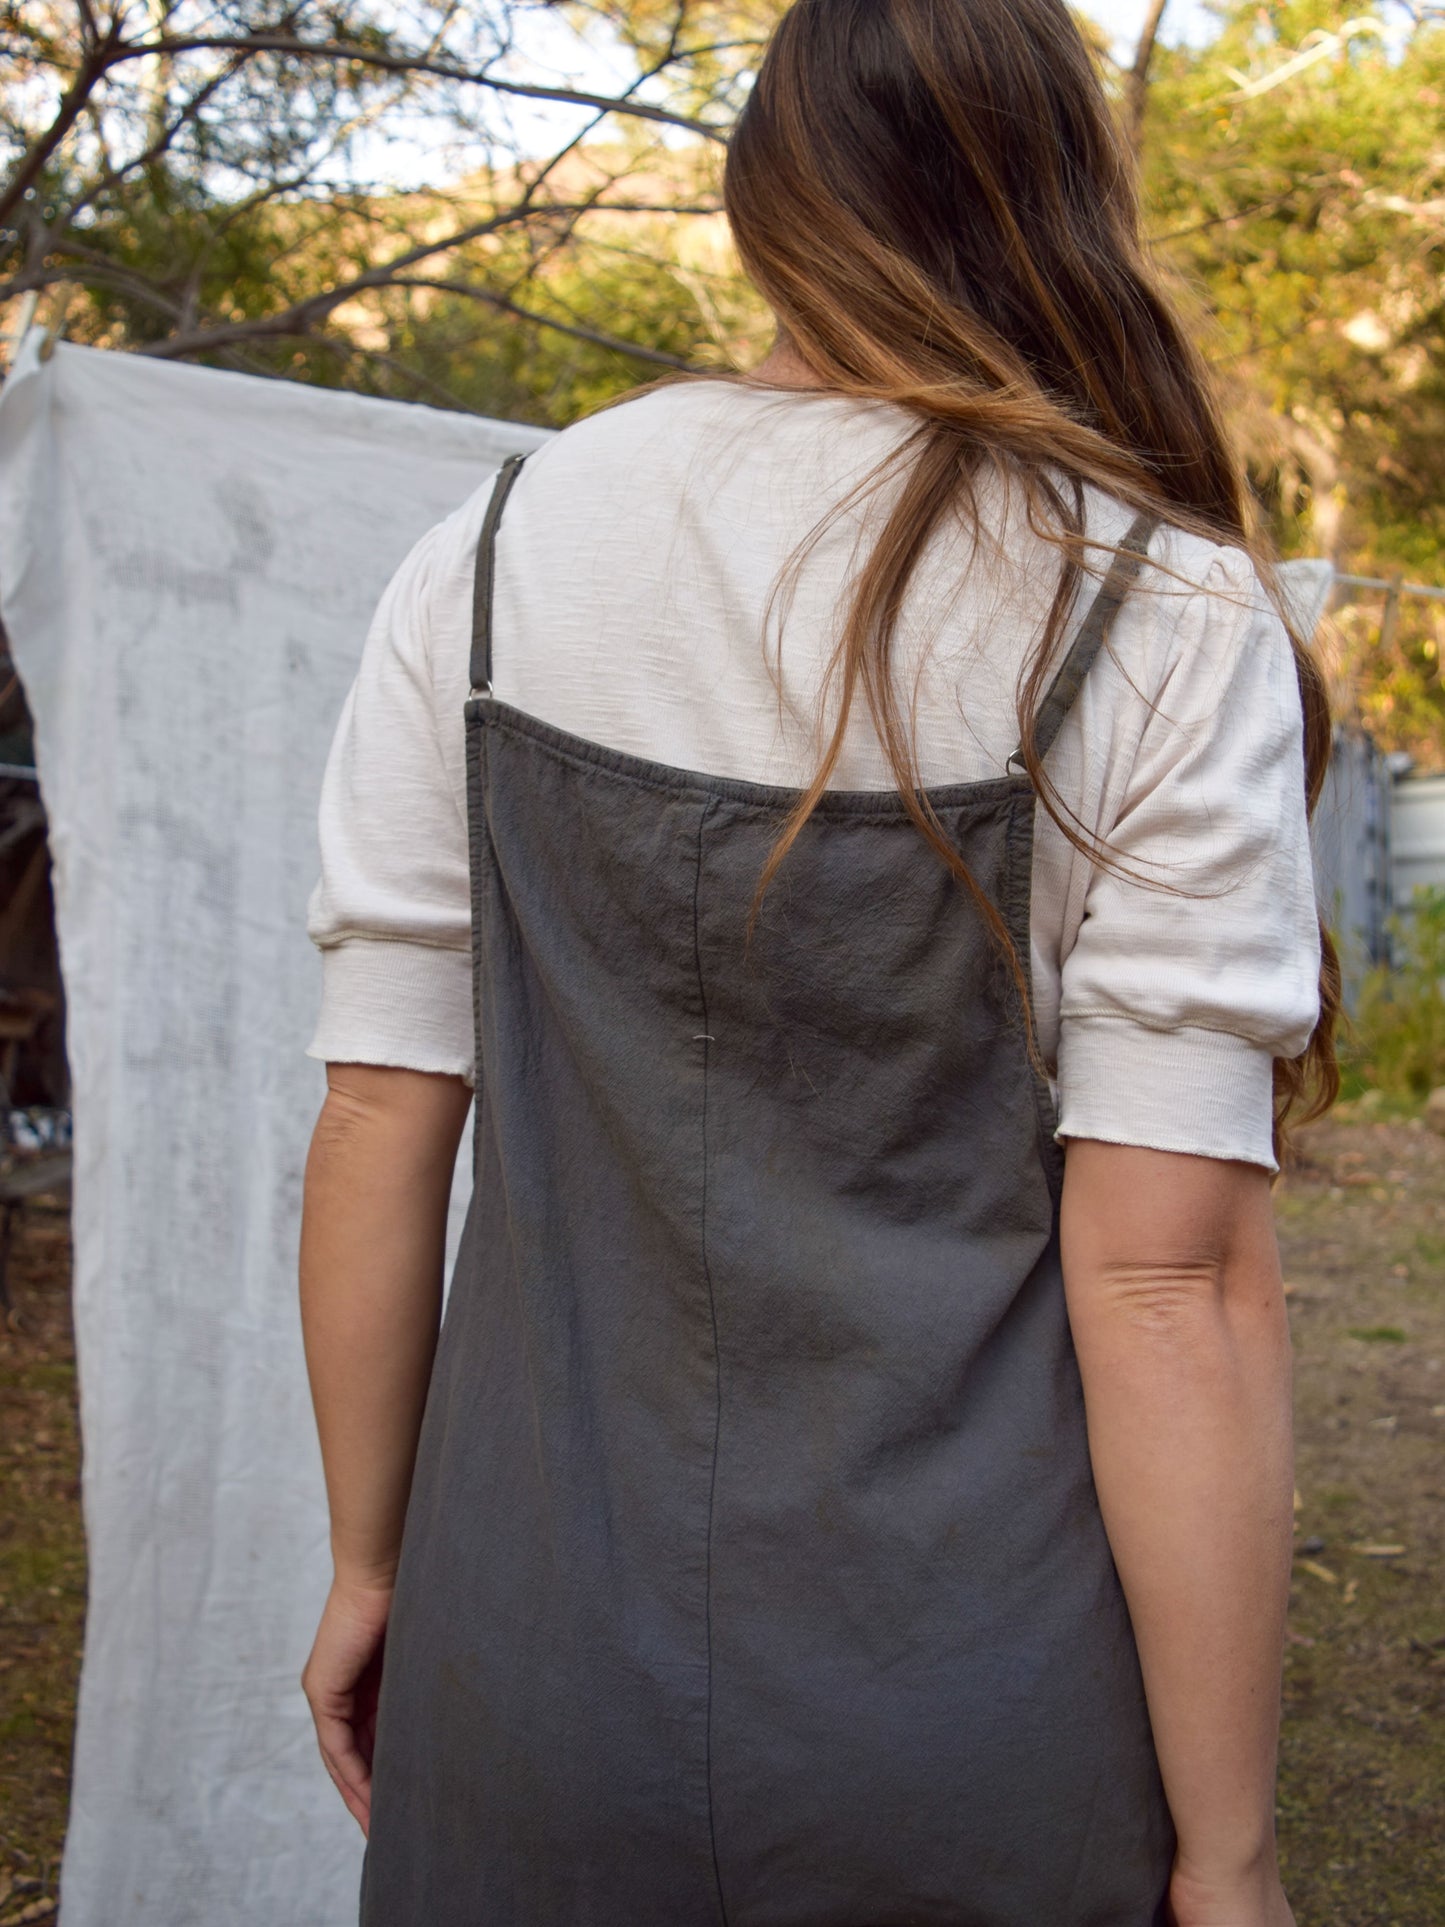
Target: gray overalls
753	1574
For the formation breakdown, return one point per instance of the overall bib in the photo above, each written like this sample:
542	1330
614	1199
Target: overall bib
753	1573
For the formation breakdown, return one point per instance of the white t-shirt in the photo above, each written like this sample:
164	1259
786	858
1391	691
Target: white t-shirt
635	606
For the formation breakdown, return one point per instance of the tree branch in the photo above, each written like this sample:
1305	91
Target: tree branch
113	175
1136	88
595	336
338	345
1246	211
89	29
302	316
169	44
95	268
72	106
292	326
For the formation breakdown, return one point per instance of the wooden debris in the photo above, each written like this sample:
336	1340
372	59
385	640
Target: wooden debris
37	1910
1317	1571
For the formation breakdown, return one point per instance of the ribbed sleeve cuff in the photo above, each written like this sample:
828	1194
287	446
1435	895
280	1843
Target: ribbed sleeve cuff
1201	1091
389	1002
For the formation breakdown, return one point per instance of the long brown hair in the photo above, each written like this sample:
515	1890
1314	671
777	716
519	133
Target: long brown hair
934	199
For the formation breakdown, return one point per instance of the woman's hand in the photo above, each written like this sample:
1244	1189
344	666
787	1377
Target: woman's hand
341	1680
1254	1899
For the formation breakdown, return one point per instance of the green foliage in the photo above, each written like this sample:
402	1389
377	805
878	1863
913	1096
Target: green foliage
219	186
1400	1028
639	278
1295	177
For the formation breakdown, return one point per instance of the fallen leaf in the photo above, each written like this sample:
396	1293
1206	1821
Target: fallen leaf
1352	1587
1368	1550
1299	1502
1314	1567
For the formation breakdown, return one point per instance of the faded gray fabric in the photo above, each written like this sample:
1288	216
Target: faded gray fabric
753	1571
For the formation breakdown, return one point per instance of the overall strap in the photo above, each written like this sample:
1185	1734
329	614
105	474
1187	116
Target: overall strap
481	666
1066	685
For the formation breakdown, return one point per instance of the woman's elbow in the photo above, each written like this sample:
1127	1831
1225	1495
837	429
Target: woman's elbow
1166	1248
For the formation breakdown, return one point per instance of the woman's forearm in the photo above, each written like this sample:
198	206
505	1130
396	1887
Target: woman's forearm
378	1178
1186	1371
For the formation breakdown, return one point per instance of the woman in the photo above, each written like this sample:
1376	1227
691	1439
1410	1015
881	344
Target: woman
854	1481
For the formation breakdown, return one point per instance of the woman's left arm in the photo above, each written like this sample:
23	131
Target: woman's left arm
373	1230
1171	1275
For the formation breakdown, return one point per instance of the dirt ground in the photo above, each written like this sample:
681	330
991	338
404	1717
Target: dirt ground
42	1564
1362	1780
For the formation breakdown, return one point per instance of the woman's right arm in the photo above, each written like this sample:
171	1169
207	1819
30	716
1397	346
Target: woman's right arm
392	918
1171	1274
373	1233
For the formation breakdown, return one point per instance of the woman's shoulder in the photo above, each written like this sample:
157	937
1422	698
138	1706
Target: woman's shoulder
627	445
1197	564
1195	596
651	429
1198	660
707	434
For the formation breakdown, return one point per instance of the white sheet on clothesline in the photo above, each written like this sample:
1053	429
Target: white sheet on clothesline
188	561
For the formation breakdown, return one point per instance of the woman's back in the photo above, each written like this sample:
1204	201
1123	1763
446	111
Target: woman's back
772	1565
636	609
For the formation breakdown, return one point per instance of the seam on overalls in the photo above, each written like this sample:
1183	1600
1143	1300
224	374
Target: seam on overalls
767	798
1018	916
706	1043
